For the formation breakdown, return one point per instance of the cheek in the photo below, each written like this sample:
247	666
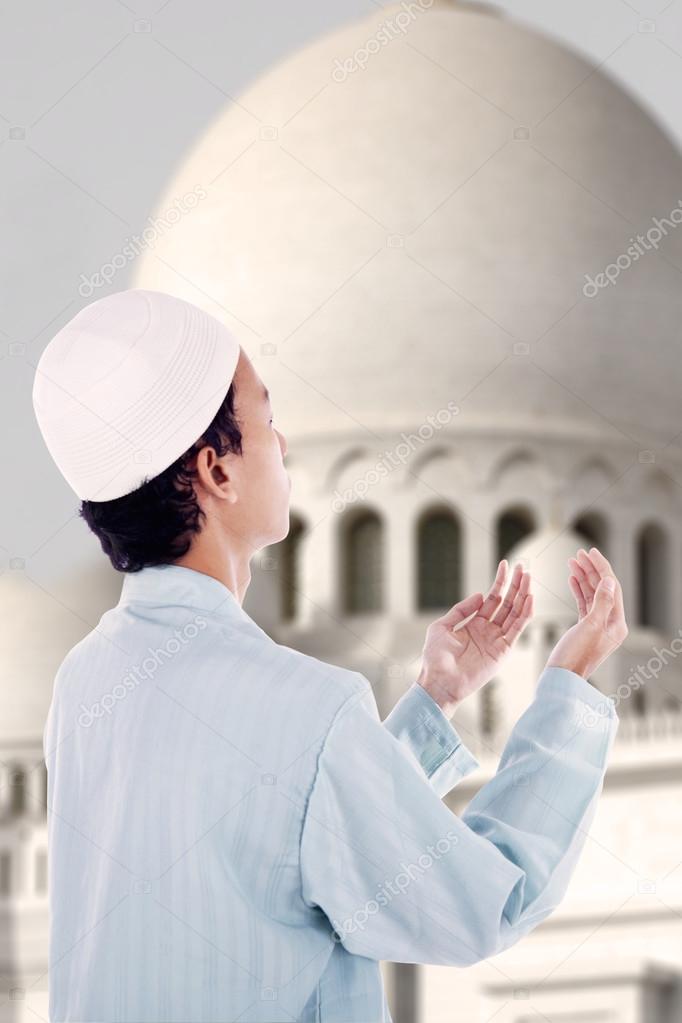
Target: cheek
269	463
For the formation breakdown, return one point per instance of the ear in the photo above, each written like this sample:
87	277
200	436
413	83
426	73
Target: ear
215	474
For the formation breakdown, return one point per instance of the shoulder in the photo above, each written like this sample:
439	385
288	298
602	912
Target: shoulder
332	684
309	687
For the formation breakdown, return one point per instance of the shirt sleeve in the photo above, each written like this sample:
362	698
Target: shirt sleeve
418	722
401	877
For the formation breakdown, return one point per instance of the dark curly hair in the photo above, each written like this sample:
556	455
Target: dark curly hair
155	523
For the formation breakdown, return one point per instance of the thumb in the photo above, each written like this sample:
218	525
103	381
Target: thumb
464	609
603	599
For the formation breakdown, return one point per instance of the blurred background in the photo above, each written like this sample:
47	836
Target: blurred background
449	237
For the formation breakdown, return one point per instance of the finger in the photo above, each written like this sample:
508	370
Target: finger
517	606
603	600
521	620
604	568
588	568
517	599
495	592
579	596
601	564
464	609
508	602
579	572
583	582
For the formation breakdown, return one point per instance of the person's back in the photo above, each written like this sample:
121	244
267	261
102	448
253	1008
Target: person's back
228	820
181	748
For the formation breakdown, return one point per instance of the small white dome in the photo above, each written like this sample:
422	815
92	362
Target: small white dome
37	629
545	555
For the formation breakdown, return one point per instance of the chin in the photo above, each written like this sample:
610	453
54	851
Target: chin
281	532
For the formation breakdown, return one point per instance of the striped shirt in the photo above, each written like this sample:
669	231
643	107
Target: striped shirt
234	835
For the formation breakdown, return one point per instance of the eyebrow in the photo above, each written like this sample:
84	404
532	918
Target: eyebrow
266	393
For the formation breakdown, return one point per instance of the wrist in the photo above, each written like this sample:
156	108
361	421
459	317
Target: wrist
440	695
576	665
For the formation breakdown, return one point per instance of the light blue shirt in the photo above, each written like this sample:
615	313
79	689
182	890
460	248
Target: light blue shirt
234	835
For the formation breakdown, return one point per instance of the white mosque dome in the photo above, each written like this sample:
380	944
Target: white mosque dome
545	555
419	233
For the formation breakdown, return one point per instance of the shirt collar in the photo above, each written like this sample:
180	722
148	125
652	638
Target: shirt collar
180	585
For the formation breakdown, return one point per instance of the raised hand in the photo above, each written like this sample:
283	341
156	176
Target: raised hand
601	626
464	647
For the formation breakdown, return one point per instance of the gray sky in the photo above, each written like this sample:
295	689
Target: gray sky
639	45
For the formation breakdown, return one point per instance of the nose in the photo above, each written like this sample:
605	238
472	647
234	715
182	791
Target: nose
283	444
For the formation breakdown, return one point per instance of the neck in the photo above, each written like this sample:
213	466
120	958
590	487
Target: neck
222	558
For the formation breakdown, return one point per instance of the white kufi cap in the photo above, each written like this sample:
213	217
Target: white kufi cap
127	386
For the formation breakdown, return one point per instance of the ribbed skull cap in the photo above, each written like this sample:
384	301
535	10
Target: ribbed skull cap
127	386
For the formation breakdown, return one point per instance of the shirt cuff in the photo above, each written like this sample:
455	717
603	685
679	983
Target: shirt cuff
419	723
592	707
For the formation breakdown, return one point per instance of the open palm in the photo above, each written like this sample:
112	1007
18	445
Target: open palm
601	627
465	646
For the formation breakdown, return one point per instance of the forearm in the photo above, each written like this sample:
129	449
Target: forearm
423	728
539	805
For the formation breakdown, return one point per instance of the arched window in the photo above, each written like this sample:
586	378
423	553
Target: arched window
289	560
362	558
5	872
42	769
17	782
513	525
551	636
592	528
652	577
439	560
488	708
639	702
41	872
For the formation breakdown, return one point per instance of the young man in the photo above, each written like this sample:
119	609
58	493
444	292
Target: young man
233	832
